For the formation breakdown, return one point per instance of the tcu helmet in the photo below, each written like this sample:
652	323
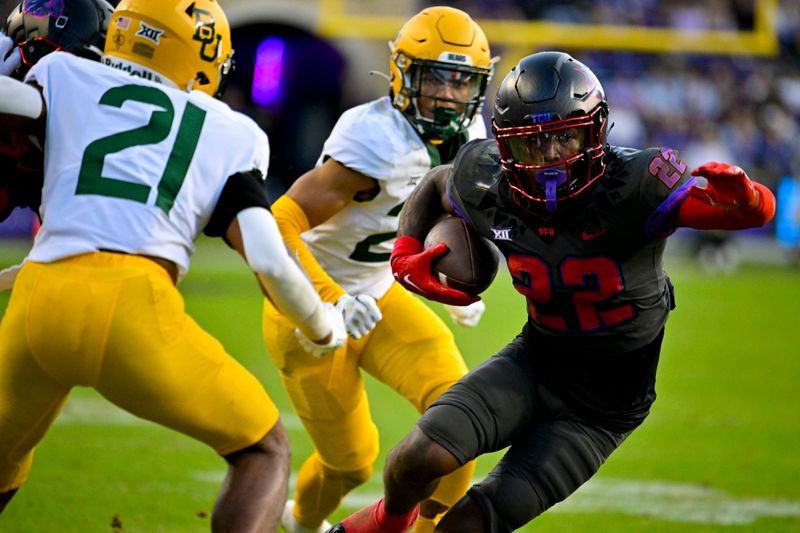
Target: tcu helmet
39	27
187	42
444	45
550	121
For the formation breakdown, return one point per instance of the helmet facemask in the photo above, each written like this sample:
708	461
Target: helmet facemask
441	98
553	161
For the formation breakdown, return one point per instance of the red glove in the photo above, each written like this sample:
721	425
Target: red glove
728	186
411	266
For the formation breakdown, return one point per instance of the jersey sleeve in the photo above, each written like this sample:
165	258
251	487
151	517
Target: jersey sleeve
665	181
471	185
362	142
242	190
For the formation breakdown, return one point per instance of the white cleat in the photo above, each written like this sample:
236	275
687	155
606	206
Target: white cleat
290	525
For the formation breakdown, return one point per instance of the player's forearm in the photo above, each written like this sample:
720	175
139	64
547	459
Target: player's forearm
425	205
282	279
292	222
698	212
21	105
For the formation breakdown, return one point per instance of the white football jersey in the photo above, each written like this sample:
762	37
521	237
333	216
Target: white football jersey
375	139
131	165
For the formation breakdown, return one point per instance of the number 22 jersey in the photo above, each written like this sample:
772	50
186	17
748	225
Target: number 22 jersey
592	276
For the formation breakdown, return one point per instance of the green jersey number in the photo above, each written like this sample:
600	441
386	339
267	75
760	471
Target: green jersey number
362	251
91	179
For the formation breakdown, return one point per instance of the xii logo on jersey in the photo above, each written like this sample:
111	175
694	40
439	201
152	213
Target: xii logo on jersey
206	32
501	234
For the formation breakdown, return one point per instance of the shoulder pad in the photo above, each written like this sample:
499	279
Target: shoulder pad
472	184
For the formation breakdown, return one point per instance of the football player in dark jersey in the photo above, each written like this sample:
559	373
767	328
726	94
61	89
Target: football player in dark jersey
582	226
34	29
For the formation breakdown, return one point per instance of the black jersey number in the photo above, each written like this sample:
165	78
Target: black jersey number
590	282
91	179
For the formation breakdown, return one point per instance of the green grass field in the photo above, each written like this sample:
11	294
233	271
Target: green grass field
720	451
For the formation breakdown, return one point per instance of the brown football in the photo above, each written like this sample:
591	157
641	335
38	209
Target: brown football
470	263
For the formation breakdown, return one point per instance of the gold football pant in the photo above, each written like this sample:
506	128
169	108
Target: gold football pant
116	323
411	350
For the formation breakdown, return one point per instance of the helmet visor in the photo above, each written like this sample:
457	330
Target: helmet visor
440	82
547	148
446	96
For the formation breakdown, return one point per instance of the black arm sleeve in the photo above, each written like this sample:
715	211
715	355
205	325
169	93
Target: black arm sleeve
242	190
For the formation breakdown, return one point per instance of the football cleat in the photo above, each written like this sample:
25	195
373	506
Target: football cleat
290	524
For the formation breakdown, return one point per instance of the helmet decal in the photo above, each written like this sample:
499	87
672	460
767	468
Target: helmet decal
187	42
150	33
206	33
43	8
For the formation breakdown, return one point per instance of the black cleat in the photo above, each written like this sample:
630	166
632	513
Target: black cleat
338	528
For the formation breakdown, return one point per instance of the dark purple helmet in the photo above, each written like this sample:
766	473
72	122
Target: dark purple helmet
39	27
551	122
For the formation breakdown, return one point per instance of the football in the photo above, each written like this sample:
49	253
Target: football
470	263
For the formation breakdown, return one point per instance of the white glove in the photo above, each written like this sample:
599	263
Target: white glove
467	316
8	64
360	314
338	333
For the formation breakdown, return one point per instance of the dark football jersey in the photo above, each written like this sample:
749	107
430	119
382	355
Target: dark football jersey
593	277
21	177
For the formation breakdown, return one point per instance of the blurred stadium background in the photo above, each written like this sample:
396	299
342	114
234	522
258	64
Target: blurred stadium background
716	79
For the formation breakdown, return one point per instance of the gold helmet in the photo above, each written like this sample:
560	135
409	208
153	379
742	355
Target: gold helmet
440	45
188	42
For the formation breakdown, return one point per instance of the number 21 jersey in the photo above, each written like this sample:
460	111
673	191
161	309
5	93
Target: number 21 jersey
131	165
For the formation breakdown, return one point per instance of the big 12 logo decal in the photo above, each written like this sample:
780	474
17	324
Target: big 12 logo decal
206	32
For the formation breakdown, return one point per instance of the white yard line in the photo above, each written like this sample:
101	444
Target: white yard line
675	502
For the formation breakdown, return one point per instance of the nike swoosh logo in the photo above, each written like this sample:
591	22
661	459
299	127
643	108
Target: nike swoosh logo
586	236
407	279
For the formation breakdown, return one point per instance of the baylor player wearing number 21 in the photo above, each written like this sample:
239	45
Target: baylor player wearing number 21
341	219
137	165
582	226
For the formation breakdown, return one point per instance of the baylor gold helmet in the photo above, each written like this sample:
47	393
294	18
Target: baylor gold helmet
188	42
445	44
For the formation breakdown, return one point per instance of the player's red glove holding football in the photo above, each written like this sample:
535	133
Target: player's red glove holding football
411	266
728	186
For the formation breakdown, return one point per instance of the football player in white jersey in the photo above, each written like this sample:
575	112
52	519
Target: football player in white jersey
341	218
153	164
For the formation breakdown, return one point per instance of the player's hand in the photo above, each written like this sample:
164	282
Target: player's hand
336	338
466	316
728	186
360	314
411	266
9	55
